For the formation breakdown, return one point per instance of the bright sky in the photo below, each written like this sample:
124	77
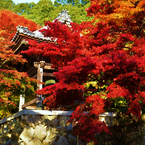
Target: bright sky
25	1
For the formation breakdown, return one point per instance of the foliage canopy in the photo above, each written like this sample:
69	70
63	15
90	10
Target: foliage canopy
101	66
12	82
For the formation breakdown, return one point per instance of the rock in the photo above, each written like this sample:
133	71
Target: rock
62	141
52	134
15	133
73	140
4	137
62	131
63	121
40	132
46	120
27	134
22	143
70	128
91	143
49	142
143	117
32	120
53	120
35	141
11	142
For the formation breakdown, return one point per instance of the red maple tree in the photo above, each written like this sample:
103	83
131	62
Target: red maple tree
98	63
12	82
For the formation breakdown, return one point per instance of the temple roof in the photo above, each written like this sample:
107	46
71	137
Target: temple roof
64	17
24	32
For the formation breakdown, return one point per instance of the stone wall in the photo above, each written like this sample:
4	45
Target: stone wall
39	127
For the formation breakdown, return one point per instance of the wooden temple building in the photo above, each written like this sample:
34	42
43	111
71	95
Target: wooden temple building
38	67
20	44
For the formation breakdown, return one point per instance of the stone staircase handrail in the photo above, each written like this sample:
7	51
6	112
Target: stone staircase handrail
48	112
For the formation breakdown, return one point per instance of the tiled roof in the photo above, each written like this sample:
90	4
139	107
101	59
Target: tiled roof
24	32
64	17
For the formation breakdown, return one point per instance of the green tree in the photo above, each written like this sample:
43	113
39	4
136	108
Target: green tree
77	12
23	8
45	10
7	4
39	12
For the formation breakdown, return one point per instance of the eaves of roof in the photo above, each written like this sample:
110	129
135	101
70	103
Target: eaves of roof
24	33
21	35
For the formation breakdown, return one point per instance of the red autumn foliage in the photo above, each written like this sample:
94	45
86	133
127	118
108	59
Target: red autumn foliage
11	81
110	53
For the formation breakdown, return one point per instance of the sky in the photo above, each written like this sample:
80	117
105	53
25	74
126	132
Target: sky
25	1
